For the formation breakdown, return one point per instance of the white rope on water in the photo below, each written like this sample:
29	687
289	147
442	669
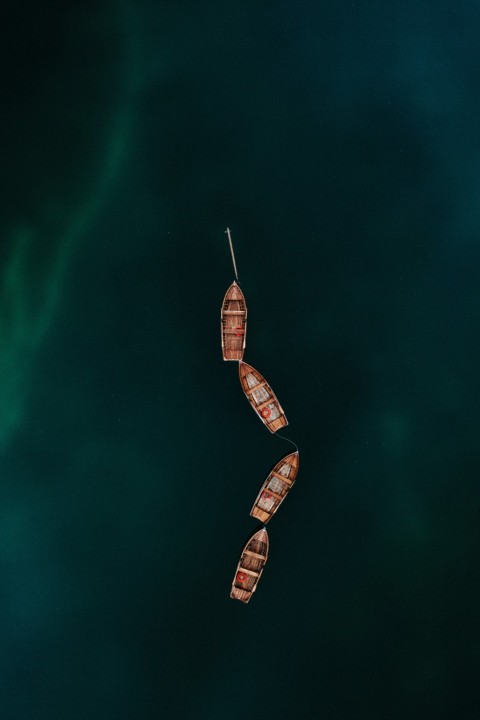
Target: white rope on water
288	440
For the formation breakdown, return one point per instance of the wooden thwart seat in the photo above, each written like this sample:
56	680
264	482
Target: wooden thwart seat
264	403
262	383
284	478
248	572
275	495
254	554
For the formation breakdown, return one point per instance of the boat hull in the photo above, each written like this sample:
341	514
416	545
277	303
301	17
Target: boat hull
262	398
276	487
250	567
233	323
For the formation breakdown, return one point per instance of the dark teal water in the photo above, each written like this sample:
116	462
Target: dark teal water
340	142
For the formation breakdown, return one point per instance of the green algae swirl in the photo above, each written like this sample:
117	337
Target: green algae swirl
67	112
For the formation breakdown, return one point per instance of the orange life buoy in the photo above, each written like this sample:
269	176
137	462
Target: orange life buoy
265	412
266	495
241	577
239	327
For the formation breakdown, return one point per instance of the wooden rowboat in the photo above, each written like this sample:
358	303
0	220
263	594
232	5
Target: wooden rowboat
275	488
261	397
250	567
233	323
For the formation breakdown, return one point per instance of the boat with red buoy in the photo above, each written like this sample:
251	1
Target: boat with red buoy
250	566
261	397
276	487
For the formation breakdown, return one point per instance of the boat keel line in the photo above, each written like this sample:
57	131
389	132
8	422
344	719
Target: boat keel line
280	480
